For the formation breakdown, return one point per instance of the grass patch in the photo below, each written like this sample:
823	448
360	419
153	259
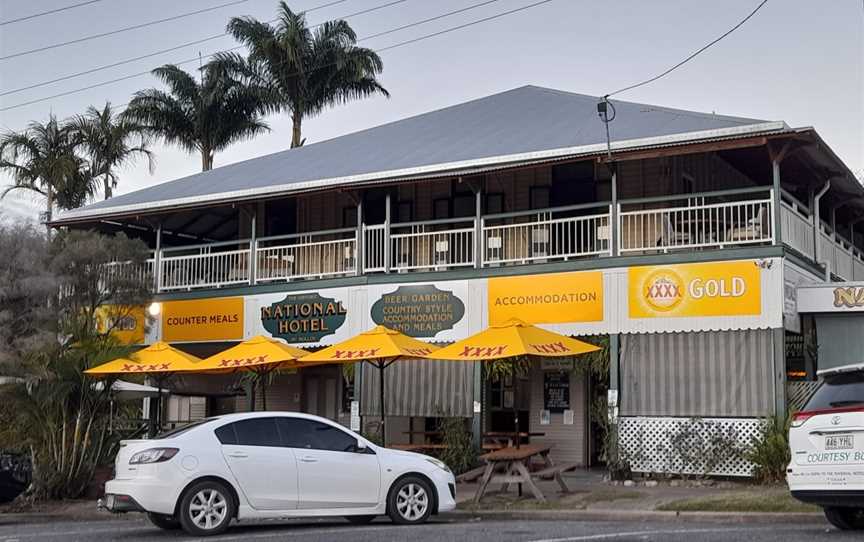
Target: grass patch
609	495
740	502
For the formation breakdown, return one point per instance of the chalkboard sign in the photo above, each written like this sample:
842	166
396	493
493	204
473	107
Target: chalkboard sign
556	391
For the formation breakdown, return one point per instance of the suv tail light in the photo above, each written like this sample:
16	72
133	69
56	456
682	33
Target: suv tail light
799	418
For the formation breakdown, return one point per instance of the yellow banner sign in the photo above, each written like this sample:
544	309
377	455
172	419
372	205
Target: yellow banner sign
547	299
219	319
699	289
126	324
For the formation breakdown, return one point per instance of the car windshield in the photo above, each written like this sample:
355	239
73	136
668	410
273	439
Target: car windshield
838	391
180	430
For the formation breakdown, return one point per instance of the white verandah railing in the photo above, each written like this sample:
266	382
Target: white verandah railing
559	233
646	225
432	245
204	266
308	255
696	221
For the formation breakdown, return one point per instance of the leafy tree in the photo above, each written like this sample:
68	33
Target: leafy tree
111	141
42	159
203	116
56	415
295	69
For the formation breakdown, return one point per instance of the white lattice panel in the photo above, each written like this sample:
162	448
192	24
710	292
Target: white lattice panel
711	446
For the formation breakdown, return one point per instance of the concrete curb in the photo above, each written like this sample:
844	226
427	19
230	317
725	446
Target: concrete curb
644	515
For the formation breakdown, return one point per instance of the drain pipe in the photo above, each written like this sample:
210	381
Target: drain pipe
817	231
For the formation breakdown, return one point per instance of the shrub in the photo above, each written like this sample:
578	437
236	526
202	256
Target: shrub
769	451
459	453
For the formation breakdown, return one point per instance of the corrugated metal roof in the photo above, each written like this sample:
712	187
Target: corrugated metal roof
523	123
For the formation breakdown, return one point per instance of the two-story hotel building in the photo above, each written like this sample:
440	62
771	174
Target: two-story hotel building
681	244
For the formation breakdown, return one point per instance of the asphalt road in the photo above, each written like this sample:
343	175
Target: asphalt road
461	529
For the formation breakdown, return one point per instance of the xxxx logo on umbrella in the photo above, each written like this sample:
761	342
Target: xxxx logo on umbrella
243	362
482	351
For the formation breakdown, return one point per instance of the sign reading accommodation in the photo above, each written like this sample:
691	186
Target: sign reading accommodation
556	391
547	299
418	310
303	318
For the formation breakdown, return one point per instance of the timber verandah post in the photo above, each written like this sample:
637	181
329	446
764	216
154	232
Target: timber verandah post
778	334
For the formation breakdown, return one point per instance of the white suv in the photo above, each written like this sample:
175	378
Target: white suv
272	465
827	444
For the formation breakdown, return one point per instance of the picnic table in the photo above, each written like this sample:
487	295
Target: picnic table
512	466
506	438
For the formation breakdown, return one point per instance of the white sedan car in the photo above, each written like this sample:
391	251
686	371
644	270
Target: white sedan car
827	448
273	465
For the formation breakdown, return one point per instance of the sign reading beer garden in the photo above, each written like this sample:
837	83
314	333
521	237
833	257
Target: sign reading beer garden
418	310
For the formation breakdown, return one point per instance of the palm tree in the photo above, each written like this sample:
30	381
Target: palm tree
42	159
302	71
111	142
204	117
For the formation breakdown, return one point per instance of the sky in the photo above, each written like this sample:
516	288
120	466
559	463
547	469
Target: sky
800	61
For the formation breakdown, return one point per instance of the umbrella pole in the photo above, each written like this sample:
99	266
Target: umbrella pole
516	439
263	395
381	399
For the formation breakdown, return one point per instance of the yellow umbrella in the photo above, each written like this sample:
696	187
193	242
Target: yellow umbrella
259	354
159	360
513	339
379	347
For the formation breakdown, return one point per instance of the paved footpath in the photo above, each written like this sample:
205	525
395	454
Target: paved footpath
462	528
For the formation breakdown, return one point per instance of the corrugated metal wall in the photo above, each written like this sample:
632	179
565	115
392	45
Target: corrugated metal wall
420	388
714	373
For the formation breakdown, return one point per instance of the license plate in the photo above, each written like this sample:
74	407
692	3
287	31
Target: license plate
109	502
840	442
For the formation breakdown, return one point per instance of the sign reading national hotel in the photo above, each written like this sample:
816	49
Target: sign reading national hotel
303	318
418	310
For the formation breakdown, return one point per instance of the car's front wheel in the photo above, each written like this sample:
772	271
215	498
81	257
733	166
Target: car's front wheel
410	501
163	521
206	509
845	518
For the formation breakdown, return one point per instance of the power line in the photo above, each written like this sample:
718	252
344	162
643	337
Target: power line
692	56
120	30
184	45
388	48
49	12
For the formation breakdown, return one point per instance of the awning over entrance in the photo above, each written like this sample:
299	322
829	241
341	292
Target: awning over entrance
420	388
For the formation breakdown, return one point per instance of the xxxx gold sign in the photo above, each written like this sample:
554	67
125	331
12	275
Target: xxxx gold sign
219	319
547	299
126	324
370	353
702	289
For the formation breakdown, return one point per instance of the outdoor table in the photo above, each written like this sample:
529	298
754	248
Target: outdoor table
515	470
506	437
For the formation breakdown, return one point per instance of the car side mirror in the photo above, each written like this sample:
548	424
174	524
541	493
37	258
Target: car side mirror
361	447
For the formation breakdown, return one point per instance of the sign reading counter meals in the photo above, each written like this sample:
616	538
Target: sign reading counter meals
697	289
547	299
218	319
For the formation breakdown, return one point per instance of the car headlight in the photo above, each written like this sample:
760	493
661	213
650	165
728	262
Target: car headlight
440	464
153	455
